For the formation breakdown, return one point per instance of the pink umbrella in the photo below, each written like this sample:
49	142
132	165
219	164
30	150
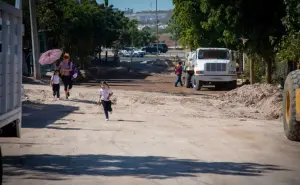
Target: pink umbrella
50	56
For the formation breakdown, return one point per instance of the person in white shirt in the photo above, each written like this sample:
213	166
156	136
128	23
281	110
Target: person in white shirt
54	83
104	99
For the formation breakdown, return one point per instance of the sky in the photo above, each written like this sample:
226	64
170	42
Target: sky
139	5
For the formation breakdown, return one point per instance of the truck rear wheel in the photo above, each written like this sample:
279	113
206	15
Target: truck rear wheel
196	84
290	124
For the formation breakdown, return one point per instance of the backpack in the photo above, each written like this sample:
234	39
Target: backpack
74	72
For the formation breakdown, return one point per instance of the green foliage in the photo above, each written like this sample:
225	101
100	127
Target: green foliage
288	49
83	29
222	23
174	29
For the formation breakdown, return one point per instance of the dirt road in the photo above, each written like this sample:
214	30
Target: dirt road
157	83
152	138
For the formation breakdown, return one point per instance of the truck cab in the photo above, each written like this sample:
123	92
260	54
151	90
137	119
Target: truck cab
214	66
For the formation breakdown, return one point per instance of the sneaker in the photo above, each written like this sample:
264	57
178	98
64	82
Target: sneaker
68	94
106	119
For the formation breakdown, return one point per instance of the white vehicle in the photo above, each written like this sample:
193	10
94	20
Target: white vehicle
127	52
214	66
124	53
10	73
136	53
139	52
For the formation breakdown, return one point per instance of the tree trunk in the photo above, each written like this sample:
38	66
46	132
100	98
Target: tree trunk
269	71
252	71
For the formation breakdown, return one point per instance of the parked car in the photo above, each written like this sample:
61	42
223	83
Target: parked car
163	46
152	49
124	53
128	51
135	52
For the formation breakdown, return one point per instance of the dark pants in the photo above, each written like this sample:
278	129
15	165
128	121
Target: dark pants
107	107
56	88
68	83
178	80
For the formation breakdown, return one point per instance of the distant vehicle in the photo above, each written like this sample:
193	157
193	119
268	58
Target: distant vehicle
163	46
215	66
128	51
138	53
124	53
153	49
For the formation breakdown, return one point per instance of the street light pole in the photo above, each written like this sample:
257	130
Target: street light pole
244	42
34	38
157	40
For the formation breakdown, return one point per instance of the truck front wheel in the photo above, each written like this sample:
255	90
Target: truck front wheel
196	84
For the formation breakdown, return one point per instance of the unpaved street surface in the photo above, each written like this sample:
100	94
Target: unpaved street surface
151	139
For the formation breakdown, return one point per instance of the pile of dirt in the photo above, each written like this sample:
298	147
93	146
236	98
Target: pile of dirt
265	97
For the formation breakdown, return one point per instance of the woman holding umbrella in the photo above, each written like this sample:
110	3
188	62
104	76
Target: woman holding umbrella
65	68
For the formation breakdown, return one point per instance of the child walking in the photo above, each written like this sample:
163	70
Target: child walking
54	83
104	99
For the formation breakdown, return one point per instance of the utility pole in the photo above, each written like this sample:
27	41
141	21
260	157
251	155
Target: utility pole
106	5
244	43
156	33
34	38
252	71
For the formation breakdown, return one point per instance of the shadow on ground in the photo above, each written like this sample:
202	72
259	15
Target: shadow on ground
152	167
38	115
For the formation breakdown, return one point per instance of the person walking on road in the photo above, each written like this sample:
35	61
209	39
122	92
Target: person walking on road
178	72
54	83
104	99
65	68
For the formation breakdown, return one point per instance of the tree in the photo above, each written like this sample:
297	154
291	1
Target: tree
288	49
83	29
222	23
174	30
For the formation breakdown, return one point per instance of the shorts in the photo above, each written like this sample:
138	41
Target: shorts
68	82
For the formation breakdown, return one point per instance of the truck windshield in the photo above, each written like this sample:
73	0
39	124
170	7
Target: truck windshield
213	54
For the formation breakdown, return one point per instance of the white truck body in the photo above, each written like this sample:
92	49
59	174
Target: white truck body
10	70
215	66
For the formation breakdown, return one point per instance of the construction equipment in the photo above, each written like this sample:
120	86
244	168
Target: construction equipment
291	103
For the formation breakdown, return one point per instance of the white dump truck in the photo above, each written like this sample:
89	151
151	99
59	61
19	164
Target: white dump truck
10	72
211	66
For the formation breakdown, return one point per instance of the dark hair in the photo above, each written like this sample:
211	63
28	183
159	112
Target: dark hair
179	63
104	83
56	71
